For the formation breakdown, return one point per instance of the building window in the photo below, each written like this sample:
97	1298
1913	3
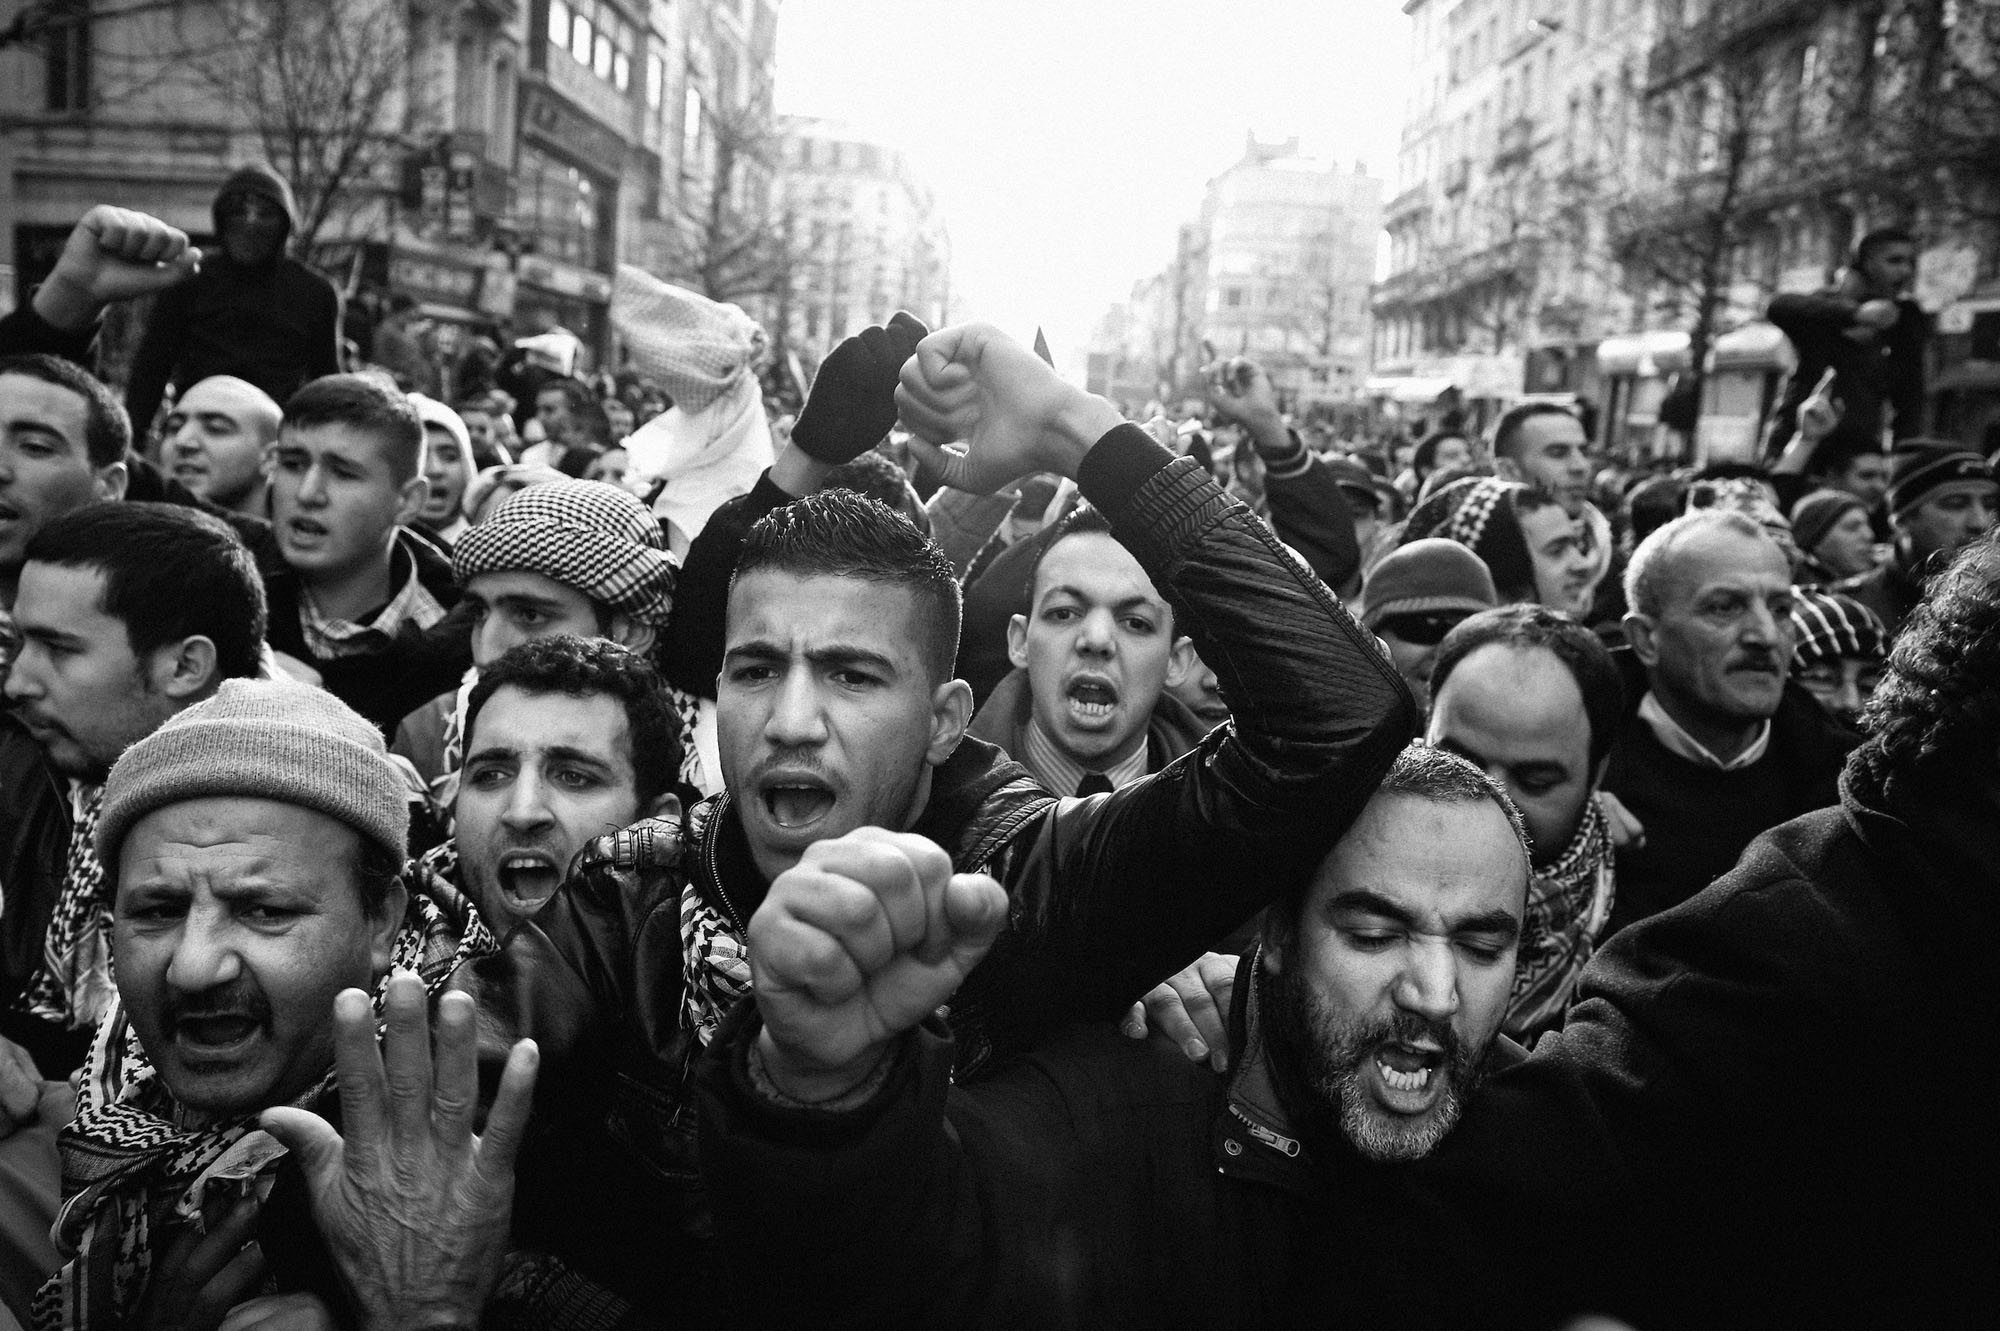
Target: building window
564	208
656	82
596	36
66	53
691	131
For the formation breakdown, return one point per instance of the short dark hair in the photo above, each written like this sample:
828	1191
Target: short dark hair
588	667
1837	453
840	534
1507	433
1936	713
170	573
377	869
1082	520
361	402
1426	455
1864	249
1427	773
1528	626
107	430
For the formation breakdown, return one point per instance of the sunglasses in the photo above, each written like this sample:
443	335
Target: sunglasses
1421	630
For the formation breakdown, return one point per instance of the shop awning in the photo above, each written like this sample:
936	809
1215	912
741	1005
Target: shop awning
1754	346
1659	352
1406	387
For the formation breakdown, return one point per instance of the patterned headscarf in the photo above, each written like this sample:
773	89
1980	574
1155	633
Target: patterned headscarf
1478	512
135	1162
73	986
1568	904
588	535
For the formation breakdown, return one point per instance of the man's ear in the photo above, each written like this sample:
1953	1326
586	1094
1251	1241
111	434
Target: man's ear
183	670
382	930
668	805
410	499
633	633
951	713
1180	661
109	482
1273	938
1017	642
1506	469
1639	632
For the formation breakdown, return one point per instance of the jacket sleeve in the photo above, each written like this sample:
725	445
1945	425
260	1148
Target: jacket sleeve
153	362
24	332
1904	371
1118	891
323	356
691	650
1795	313
1310	514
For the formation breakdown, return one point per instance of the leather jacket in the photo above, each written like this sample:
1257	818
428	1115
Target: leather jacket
1109	894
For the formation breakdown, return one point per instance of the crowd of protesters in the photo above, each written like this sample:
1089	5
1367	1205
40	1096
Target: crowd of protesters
487	847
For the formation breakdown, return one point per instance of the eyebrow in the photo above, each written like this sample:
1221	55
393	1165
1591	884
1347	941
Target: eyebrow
1374	903
835	656
44	634
1129	603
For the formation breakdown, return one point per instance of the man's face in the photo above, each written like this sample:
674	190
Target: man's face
827	719
544	773
1517	714
216	437
335	500
77	685
1866	477
1397	977
446	471
1946	523
253	227
1849	544
1889	269
620	417
478	427
518	606
1723	639
1562	567
45	470
1413	641
1200	694
1551	451
552	410
237	920
1842	685
1451	454
1098	645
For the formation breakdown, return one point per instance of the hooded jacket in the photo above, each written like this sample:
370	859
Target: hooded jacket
275	324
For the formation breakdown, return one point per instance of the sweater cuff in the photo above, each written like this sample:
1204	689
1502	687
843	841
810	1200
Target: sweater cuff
1117	465
1294	459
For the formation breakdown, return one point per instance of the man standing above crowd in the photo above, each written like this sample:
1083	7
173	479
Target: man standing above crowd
251	311
1715	746
1871	334
216	442
1510	686
1941	499
360	600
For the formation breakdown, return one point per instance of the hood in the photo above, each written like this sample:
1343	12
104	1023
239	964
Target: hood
265	183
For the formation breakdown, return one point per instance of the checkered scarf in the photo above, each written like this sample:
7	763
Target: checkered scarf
73	985
136	1164
588	535
691	346
1568	904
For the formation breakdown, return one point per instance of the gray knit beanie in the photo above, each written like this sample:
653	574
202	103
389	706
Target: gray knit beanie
268	739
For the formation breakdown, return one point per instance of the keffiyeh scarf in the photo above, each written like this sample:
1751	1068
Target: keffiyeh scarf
73	986
135	1163
1568	904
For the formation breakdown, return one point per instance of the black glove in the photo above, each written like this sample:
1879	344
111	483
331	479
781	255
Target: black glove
853	400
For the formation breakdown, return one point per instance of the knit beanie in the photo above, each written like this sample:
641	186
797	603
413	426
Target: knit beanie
1815	515
1923	468
267	739
588	535
1424	577
1478	513
1827	626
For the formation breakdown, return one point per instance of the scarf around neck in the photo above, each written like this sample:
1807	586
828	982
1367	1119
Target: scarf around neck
1568	904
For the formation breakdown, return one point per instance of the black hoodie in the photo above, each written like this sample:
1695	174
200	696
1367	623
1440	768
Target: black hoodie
275	324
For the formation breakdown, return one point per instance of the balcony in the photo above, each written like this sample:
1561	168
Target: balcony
1457	175
1412	201
1516	142
1731	26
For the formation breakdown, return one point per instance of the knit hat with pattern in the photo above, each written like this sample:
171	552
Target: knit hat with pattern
267	739
1478	512
588	535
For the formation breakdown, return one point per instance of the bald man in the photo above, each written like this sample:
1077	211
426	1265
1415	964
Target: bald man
215	440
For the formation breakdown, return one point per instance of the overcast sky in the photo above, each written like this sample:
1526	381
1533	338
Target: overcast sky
1067	139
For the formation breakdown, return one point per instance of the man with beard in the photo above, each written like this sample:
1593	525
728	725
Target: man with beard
250	312
1087	707
566	739
1102	1182
1715	746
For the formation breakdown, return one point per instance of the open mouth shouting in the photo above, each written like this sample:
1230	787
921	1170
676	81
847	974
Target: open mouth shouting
795	801
1409	1075
527	878
1091	701
305	531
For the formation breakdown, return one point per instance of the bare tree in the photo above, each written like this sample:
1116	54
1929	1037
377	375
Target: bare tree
1925	108
321	83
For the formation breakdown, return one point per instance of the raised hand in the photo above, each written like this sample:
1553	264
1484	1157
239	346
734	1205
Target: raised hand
1191	1009
113	254
412	1204
853	399
855	945
1240	391
975	384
